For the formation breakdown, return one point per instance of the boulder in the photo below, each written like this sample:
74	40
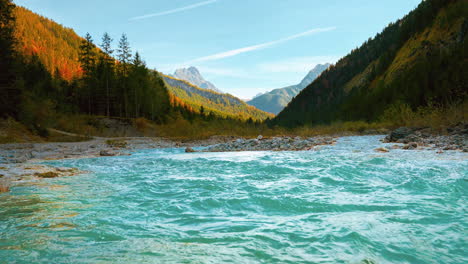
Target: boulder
412	145
107	153
260	137
399	134
382	150
189	150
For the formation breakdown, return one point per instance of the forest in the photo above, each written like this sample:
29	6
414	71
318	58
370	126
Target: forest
415	68
417	62
48	71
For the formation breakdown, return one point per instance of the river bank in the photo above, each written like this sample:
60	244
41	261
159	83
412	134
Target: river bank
19	161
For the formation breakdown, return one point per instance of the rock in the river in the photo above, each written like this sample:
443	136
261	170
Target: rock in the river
260	137
189	150
382	150
412	145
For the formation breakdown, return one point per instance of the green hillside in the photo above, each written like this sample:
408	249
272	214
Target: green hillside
224	105
275	100
417	61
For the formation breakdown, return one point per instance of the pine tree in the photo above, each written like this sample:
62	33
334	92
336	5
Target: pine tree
9	94
139	69
88	60
108	66
124	56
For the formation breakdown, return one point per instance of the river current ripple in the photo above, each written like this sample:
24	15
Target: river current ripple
341	204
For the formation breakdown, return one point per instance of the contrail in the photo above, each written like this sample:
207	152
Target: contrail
235	52
177	10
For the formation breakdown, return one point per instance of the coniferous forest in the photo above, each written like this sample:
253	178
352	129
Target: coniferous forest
418	61
47	70
415	65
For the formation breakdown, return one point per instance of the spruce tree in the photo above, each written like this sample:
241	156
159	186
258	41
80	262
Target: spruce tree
106	47
9	94
88	59
124	56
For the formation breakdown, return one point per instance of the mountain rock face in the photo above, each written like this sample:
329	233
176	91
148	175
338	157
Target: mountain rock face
274	101
418	61
193	76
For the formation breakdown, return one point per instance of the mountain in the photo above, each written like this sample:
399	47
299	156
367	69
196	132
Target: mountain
56	46
146	93
224	105
193	76
276	100
418	61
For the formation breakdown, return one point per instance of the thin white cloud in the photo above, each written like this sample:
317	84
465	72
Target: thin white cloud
235	52
176	10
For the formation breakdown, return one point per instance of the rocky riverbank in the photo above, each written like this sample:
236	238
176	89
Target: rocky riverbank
19	162
271	144
454	138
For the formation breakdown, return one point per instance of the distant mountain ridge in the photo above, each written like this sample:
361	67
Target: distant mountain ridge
220	104
276	100
193	76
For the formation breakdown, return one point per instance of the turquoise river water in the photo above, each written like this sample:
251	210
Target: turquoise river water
341	204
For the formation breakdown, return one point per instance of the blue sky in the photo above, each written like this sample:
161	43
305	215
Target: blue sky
243	46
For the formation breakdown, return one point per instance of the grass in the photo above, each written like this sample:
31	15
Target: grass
12	131
398	115
432	116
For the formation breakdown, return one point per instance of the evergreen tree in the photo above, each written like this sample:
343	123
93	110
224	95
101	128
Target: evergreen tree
9	94
88	60
138	81
124	56
106	47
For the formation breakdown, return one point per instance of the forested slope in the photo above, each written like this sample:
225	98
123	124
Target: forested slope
224	105
57	47
56	73
417	61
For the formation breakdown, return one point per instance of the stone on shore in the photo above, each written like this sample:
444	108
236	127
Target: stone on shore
398	134
189	150
107	153
48	174
455	138
271	144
